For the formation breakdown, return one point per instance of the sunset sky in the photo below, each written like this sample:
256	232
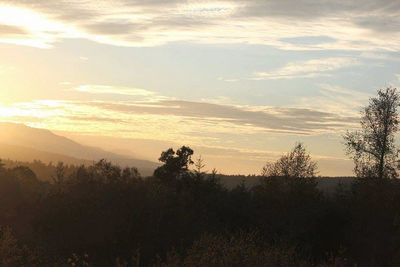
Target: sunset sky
239	81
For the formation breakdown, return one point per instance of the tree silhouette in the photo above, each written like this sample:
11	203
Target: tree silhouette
59	175
373	147
295	164
175	163
199	167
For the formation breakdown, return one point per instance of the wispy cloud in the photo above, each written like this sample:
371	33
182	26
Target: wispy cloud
229	80
347	25
176	119
22	25
138	93
307	69
336	100
114	90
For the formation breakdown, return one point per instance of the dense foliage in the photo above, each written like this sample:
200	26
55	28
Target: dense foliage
295	164
103	215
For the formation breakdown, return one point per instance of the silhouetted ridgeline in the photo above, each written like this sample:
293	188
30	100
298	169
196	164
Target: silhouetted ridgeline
22	143
103	215
46	172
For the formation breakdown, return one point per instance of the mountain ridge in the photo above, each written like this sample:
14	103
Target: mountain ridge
42	144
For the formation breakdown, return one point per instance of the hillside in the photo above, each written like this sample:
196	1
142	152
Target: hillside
23	143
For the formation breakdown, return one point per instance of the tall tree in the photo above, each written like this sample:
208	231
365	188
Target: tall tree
373	147
59	176
199	167
175	163
297	164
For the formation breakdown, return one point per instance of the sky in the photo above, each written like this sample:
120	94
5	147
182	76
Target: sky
239	81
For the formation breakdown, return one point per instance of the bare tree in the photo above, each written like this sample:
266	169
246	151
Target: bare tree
373	147
199	167
295	164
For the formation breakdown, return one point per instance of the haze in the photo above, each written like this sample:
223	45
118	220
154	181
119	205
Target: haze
239	81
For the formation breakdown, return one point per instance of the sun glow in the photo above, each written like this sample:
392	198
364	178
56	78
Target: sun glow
35	109
31	28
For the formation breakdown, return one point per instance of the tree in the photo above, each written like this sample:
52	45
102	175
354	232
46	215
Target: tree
199	167
13	253
2	165
373	147
59	176
295	164
175	163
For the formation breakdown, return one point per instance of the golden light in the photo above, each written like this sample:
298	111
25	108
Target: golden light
34	29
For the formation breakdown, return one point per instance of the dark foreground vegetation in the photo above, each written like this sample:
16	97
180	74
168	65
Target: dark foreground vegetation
103	215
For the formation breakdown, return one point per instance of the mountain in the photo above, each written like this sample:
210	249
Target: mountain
20	142
26	154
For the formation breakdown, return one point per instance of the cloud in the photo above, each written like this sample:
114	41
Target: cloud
336	100
313	9
8	30
105	89
369	26
306	69
179	118
229	80
95	119
138	93
32	28
379	56
268	119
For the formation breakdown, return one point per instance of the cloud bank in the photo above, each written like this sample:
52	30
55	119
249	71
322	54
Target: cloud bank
143	113
285	24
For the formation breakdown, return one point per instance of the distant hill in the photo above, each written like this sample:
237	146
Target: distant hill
23	143
27	154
